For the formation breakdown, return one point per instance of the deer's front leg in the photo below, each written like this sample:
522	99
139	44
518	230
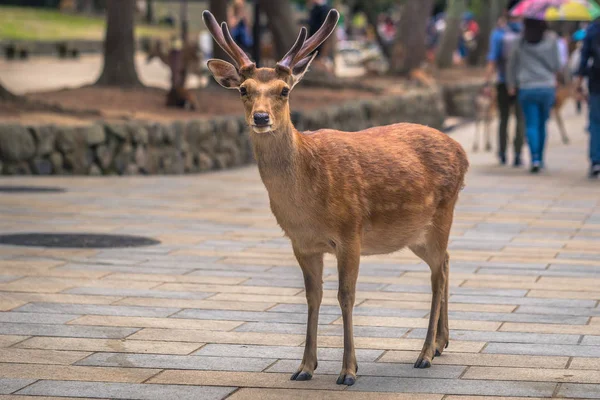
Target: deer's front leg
348	255
312	268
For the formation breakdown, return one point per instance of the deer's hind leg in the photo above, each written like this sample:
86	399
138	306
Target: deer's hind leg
434	252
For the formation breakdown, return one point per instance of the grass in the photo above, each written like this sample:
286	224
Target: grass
26	23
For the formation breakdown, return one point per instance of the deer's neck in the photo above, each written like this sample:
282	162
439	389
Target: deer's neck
278	156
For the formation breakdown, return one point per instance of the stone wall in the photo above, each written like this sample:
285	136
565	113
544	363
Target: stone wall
460	99
185	147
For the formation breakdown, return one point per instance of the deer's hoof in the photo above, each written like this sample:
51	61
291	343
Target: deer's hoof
347	380
566	141
301	376
423	363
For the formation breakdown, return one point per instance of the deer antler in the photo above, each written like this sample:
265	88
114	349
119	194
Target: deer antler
223	38
302	48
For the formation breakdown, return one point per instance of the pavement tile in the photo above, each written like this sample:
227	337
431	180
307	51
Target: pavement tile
376	369
397	344
252	316
66	330
478	359
110	345
9	340
194	287
325	330
8	385
75	373
421	323
281	352
532	374
517	317
585	363
543	349
453	386
208	280
579	391
163	361
36	318
200	304
178	335
34	356
277	394
125	390
159	294
451	306
126	311
142	322
243	379
552	328
503	337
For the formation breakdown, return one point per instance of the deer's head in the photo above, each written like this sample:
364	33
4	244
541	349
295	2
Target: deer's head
265	91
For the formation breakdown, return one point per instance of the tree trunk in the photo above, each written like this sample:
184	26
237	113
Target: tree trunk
451	36
219	10
5	94
487	20
281	23
409	51
119	46
150	12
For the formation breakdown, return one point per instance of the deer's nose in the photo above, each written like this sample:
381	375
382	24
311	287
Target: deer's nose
261	119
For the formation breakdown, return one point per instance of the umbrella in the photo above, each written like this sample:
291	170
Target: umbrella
557	10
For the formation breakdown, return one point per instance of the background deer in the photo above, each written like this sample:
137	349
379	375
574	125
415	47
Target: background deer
350	194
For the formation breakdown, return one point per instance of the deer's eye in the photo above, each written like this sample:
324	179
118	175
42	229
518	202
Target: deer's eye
243	91
285	92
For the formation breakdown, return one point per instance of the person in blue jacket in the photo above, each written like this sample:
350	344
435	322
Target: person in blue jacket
590	67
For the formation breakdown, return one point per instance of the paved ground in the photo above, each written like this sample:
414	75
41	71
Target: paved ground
52	73
218	308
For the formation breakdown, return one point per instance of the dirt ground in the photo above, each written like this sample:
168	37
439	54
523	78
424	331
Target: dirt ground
81	105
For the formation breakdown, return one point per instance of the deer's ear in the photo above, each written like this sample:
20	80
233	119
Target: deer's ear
301	68
225	74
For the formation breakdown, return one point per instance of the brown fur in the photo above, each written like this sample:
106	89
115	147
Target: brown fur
350	194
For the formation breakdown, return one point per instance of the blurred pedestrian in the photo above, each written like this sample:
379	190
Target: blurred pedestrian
501	41
590	52
469	35
240	26
318	10
533	67
575	62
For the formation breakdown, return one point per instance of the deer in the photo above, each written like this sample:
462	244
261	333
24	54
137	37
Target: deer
349	194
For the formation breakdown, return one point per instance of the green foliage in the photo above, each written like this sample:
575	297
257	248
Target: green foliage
25	23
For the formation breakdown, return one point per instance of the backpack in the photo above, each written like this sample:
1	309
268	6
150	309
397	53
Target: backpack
509	40
595	51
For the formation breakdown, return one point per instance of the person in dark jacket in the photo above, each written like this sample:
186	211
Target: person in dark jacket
590	52
502	37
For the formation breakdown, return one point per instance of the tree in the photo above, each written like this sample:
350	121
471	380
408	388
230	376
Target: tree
149	11
488	15
408	50
119	46
281	23
451	36
219	10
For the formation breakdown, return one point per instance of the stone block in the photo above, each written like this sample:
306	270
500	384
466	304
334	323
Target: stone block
41	166
16	143
45	137
117	130
93	134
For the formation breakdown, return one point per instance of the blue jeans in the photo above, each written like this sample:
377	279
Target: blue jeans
594	106
536	104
